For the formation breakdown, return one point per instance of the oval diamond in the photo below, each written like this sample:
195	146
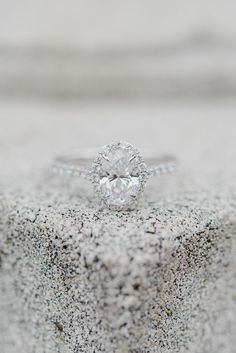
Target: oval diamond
119	174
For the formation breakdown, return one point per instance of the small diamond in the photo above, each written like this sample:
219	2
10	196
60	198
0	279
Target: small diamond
119	174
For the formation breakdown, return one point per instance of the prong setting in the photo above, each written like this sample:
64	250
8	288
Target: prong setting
119	175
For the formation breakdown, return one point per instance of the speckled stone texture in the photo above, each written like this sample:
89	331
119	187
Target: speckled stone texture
75	278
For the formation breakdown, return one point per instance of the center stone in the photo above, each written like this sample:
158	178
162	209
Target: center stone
119	173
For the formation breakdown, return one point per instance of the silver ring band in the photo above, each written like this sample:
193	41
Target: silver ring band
118	173
79	165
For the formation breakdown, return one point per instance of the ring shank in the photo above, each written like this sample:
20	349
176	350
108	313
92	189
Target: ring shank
79	165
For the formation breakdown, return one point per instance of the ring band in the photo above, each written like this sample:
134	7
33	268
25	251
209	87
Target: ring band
119	169
79	166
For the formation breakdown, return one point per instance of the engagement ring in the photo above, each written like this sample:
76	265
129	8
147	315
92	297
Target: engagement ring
118	173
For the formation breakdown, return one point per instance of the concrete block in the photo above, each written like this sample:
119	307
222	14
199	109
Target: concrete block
78	279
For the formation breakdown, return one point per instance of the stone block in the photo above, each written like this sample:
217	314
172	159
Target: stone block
75	278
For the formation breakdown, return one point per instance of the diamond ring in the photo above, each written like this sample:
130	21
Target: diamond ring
118	173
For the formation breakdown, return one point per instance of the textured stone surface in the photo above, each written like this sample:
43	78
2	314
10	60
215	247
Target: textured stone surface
77	278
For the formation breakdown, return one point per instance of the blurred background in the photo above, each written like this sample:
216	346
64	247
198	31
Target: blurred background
158	74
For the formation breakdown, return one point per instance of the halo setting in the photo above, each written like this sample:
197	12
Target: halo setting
119	175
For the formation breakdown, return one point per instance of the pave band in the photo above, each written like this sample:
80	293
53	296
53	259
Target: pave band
79	166
118	173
